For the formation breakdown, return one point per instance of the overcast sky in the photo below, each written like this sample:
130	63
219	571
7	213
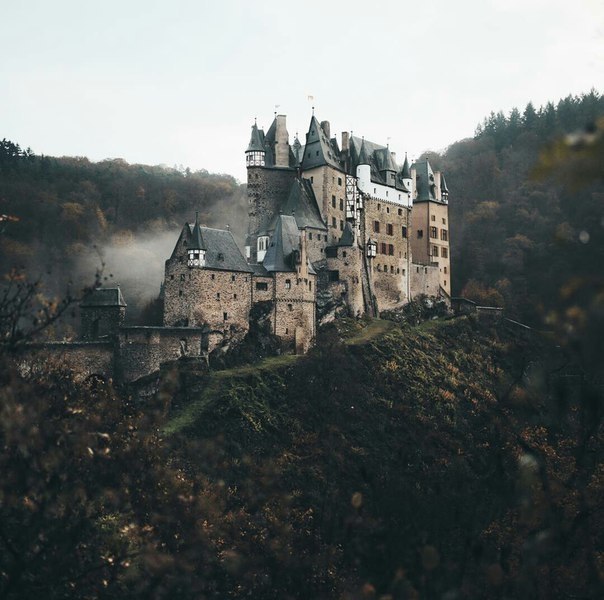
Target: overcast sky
179	82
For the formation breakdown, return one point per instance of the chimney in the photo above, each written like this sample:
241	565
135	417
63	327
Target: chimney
281	142
345	141
326	128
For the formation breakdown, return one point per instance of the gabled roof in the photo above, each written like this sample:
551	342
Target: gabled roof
285	239
424	181
256	140
319	150
384	160
103	297
302	204
221	250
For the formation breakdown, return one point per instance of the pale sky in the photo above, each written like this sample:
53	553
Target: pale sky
179	82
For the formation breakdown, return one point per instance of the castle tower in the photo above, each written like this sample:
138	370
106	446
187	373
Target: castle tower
270	172
102	313
430	221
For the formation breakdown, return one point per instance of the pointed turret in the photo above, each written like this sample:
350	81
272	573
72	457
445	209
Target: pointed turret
255	155
363	155
405	175
196	249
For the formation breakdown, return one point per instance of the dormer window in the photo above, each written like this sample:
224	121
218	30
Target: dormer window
197	258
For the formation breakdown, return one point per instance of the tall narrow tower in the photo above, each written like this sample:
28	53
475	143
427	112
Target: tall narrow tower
270	172
430	218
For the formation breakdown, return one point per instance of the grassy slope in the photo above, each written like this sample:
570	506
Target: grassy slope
398	442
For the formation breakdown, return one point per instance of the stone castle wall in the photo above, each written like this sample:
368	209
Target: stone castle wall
195	297
294	311
346	263
84	359
425	279
432	220
141	350
388	223
329	186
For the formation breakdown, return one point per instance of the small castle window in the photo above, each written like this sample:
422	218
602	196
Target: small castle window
434	217
435	251
389	229
433	232
333	222
339	181
261	286
218	296
445	270
341	204
404	230
444	235
445	283
379	207
232	277
333	201
341	225
310	285
444	221
234	296
180	292
310	235
382	248
290	307
398	271
344	254
171	276
182	276
445	253
390	250
286	331
288	284
376	226
400	210
317	153
225	316
404	272
420	233
391	269
212	276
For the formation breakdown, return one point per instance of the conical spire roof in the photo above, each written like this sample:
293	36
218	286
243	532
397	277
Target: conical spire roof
256	144
363	154
387	161
197	242
406	171
443	184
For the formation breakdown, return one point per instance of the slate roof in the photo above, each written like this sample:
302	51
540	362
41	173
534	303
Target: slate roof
302	204
103	297
197	242
256	140
405	171
380	159
222	252
347	238
424	181
285	239
319	150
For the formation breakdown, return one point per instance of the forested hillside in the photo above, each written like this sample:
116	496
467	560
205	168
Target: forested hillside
449	460
519	233
71	214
